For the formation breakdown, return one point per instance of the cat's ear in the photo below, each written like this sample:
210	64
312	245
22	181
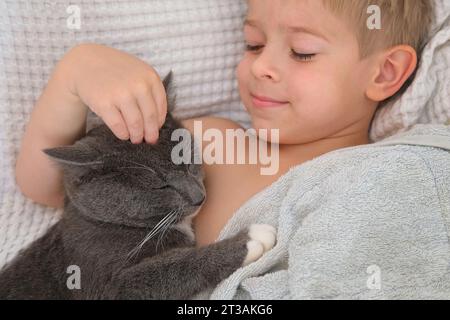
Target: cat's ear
73	156
168	80
170	91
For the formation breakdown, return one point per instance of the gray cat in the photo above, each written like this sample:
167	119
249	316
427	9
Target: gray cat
126	229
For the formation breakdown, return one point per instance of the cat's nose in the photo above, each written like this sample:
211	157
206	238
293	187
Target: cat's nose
199	201
196	193
191	190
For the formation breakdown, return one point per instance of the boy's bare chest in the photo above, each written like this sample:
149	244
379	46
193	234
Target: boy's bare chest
228	186
227	189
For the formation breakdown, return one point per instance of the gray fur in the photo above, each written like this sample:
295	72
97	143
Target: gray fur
116	194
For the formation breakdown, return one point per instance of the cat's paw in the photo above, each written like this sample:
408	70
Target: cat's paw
255	250
264	233
262	239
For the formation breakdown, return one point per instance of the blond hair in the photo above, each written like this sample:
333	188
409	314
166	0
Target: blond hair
403	22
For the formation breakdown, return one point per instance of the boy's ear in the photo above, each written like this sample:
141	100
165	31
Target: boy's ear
393	69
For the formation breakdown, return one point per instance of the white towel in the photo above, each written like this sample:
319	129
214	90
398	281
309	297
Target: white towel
366	222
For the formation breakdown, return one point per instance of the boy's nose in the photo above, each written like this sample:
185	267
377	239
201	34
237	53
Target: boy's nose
263	68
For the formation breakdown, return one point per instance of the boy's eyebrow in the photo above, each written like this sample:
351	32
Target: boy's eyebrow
291	29
301	29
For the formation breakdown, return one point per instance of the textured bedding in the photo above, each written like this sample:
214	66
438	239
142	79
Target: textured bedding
200	40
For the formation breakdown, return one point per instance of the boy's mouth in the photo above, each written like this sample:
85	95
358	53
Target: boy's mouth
266	102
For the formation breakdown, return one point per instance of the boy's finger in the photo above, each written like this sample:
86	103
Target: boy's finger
133	118
114	120
149	112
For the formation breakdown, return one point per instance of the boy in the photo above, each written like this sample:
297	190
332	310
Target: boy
313	70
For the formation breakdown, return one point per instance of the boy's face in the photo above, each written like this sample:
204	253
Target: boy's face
324	93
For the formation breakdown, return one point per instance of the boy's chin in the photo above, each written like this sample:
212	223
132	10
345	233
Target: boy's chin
260	123
266	130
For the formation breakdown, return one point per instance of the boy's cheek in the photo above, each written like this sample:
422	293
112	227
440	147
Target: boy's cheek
243	70
242	75
314	88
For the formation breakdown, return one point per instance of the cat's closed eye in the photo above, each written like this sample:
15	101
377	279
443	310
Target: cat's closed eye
193	168
161	187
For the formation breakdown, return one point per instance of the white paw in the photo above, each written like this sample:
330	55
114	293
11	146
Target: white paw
262	239
264	233
255	251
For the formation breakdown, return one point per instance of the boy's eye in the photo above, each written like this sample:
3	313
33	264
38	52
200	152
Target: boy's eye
295	55
302	56
253	48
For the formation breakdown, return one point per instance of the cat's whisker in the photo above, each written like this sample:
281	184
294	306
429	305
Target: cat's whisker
166	227
175	216
161	228
136	249
134	162
164	220
155	229
148	169
142	166
152	233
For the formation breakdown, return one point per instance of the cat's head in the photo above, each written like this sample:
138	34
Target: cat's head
115	181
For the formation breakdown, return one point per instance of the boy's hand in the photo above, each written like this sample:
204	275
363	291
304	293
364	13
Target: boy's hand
123	90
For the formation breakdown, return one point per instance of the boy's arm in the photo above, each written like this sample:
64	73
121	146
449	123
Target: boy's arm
124	91
58	118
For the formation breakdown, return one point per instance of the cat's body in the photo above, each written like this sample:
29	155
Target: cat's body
125	232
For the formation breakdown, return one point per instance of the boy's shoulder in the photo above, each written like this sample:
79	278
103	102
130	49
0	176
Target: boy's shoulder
217	123
225	172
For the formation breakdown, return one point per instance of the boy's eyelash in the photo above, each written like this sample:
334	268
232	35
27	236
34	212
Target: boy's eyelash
252	48
295	55
302	56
